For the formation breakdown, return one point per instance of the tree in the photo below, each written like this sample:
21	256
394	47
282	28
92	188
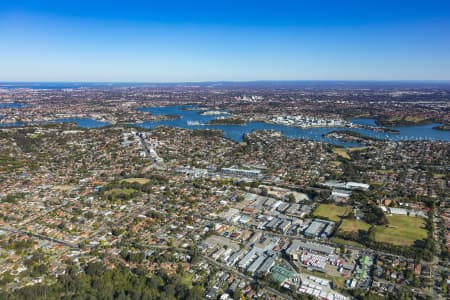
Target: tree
375	216
237	295
291	198
95	269
264	192
196	293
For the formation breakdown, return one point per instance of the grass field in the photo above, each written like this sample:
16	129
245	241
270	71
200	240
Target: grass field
384	172
353	226
331	212
340	241
401	230
121	193
341	152
356	149
336	163
438	176
137	180
63	187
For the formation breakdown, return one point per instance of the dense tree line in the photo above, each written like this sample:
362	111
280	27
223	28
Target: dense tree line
207	133
397	295
228	121
13	197
95	281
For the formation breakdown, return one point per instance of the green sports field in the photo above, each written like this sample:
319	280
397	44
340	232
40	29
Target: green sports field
331	212
137	180
401	230
353	226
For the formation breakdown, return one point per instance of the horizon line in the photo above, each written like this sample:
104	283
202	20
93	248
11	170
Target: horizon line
232	81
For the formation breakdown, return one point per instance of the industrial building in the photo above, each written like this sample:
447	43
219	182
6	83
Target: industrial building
240	172
297	246
319	229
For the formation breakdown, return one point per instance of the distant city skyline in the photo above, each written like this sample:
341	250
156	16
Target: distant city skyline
185	41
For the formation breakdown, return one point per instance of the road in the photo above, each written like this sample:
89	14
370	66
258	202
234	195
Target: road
435	294
40	236
297	187
435	270
237	273
304	239
219	265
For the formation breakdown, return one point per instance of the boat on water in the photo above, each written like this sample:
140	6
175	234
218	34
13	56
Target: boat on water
193	123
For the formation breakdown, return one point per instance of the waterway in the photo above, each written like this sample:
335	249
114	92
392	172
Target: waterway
12	105
236	132
80	122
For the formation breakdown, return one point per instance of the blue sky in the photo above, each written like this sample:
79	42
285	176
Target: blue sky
167	41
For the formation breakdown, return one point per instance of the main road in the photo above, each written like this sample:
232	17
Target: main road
41	236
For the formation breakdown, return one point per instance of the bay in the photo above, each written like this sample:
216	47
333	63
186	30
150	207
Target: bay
236	132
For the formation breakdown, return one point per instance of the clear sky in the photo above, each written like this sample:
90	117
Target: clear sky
214	40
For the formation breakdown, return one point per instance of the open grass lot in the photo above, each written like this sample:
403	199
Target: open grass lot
123	194
340	241
331	212
356	149
341	152
438	176
63	187
336	163
384	172
338	281
137	180
353	226
401	230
